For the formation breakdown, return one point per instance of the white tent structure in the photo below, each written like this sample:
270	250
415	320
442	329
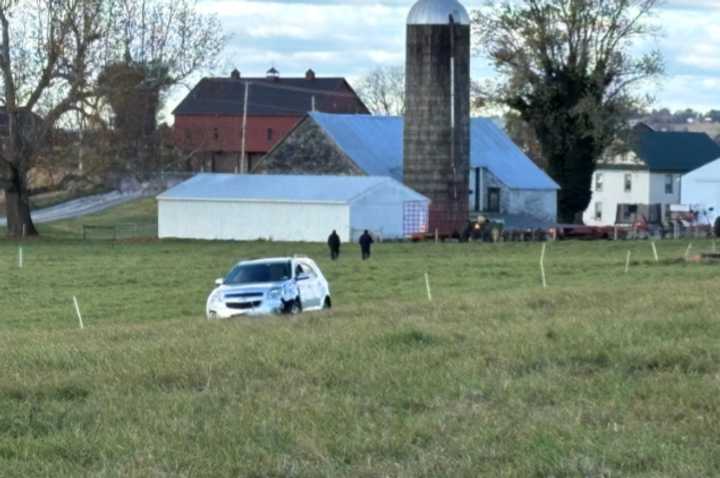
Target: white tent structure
289	208
700	189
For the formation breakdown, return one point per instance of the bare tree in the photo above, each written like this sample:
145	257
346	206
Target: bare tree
383	90
51	54
45	57
151	47
567	71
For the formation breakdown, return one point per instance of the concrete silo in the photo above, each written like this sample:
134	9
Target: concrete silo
436	139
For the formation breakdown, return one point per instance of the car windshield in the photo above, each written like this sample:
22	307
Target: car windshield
254	273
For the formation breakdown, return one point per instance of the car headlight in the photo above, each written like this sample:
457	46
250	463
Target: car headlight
275	293
216	297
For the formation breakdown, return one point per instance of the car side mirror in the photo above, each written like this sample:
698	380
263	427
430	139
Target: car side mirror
219	282
302	276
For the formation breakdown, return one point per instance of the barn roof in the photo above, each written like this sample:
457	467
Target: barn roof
270	97
375	144
281	188
673	150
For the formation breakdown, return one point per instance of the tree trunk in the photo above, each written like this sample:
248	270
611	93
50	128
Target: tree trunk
17	200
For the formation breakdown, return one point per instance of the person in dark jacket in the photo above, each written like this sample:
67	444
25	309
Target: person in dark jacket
333	243
365	241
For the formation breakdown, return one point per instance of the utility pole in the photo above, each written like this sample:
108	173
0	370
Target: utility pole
244	125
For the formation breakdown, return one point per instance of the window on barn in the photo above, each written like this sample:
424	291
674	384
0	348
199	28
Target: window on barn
188	135
493	203
269	134
598	211
216	133
668	184
598	182
628	182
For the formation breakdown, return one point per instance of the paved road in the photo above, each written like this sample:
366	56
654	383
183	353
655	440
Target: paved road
80	207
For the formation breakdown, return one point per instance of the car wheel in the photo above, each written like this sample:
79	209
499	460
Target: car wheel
294	307
327	303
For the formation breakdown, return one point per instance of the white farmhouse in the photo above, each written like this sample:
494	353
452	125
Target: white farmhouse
644	179
290	208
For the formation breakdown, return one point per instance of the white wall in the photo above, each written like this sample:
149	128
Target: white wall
538	203
380	211
701	190
246	220
613	193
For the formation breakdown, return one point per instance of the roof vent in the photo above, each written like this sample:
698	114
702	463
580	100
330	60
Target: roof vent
235	74
310	75
272	74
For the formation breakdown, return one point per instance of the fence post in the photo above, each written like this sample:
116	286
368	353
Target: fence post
427	287
627	262
542	265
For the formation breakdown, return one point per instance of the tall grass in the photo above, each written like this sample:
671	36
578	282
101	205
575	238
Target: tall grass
601	374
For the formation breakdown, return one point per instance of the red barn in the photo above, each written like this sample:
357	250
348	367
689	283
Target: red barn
209	121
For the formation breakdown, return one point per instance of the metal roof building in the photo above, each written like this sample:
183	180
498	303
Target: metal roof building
289	208
504	182
375	144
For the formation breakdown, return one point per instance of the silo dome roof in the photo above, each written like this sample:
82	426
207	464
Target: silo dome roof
437	12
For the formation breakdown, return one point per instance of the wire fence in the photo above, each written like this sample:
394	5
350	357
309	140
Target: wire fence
116	232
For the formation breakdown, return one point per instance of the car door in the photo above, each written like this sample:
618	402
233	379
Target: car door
314	284
306	281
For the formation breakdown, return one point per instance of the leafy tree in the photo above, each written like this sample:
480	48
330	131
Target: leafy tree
567	71
714	116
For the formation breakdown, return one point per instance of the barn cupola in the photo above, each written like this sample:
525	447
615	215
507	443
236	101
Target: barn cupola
310	74
235	74
272	74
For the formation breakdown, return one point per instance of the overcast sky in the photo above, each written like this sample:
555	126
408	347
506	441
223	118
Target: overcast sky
351	37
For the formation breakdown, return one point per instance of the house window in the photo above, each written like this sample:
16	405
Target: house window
493	203
188	135
628	182
216	133
598	211
668	184
269	134
598	182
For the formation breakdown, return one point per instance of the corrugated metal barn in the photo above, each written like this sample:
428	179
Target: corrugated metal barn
503	181
289	208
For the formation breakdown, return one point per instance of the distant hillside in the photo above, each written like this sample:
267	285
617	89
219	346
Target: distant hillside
712	129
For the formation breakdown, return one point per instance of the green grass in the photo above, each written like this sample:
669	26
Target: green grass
142	212
601	374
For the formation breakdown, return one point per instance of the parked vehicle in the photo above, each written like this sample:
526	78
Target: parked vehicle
286	285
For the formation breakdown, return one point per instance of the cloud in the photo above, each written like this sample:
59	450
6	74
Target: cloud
352	37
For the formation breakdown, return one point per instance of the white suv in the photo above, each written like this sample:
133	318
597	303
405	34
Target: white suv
266	286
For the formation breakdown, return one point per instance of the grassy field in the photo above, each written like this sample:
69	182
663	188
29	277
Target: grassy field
601	374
